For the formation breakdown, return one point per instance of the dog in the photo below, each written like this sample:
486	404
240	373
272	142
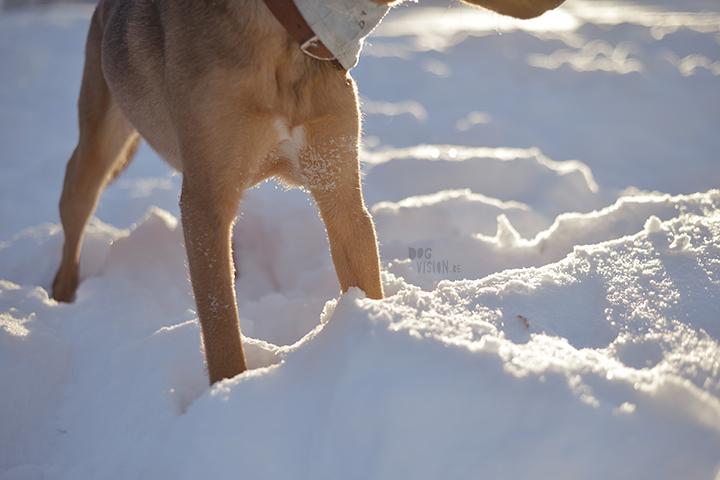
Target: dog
230	93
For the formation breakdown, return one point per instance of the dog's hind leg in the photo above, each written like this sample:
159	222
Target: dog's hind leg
106	145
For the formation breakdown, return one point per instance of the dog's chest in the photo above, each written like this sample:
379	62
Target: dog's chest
290	146
317	167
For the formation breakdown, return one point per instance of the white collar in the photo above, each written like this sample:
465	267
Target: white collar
342	25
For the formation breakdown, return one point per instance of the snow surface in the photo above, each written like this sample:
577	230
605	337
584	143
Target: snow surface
560	318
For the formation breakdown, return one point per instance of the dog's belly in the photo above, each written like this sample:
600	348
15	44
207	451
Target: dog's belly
149	123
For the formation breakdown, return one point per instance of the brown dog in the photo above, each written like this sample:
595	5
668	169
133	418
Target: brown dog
229	96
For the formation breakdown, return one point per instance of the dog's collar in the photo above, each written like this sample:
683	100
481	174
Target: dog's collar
329	29
290	17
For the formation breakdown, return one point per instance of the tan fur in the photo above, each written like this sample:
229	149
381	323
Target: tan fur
221	91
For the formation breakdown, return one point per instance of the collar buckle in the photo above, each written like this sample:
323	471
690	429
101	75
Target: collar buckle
313	47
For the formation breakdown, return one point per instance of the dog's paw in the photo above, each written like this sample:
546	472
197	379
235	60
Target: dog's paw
65	285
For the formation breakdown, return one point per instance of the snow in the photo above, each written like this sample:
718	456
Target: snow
550	242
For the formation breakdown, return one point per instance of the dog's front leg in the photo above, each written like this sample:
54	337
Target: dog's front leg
208	207
331	171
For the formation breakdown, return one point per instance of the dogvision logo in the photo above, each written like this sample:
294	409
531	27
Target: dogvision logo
427	264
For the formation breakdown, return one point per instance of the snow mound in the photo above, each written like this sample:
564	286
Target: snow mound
600	366
459	234
603	364
524	175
